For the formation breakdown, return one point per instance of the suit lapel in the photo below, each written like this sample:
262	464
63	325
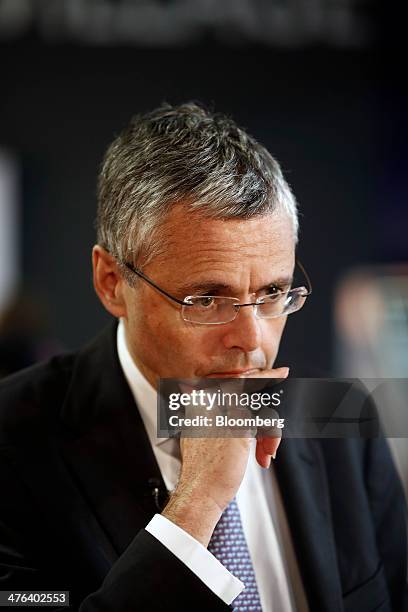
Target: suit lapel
106	448
302	479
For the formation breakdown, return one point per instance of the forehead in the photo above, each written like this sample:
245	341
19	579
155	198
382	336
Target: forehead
239	251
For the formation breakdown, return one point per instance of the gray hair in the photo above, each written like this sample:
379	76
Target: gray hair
182	154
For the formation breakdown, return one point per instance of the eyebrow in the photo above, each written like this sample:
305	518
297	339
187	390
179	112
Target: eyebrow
211	286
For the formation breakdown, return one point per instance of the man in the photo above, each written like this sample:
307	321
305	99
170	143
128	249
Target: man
195	220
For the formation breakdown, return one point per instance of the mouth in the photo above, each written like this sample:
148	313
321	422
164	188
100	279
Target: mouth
233	373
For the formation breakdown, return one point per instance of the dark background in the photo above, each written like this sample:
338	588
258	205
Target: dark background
335	118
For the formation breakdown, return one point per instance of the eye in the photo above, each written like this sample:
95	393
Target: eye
206	301
275	292
273	289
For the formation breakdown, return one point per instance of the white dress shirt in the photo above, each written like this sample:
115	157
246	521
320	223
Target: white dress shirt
263	518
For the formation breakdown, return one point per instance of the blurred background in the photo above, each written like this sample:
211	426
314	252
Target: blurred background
319	82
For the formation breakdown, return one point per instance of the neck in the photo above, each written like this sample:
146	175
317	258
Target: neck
149	375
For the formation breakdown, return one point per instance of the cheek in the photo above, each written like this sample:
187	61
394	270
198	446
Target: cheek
159	331
272	331
164	343
193	345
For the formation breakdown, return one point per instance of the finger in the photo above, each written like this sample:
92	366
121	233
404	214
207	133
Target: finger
282	372
266	448
270	444
263	459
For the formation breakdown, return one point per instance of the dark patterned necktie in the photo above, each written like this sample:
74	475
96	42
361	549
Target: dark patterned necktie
229	546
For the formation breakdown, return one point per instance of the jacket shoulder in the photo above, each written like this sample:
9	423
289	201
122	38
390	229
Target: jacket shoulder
31	399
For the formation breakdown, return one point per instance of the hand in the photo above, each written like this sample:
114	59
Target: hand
211	473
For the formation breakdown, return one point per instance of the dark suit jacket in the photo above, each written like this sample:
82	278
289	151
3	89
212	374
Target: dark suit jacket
79	484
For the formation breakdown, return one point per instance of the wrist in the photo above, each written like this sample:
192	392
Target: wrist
196	514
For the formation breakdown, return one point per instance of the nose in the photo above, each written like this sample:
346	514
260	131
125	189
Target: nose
244	332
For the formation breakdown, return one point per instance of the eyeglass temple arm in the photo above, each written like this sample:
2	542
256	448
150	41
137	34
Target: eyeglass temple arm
152	284
307	277
181	302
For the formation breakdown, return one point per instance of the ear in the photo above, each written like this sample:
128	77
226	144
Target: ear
108	282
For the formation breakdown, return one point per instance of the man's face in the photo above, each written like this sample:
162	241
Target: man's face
244	257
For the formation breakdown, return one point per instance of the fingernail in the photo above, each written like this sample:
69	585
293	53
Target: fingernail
273	456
